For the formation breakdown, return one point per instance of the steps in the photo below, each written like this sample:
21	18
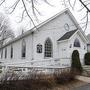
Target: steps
86	70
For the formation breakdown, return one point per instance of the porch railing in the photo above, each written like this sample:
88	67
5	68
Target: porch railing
44	64
52	61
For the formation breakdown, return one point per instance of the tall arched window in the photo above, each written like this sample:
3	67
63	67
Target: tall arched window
48	48
1	53
11	51
76	43
5	52
23	48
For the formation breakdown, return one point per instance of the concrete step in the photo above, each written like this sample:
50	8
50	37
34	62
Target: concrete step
86	71
86	66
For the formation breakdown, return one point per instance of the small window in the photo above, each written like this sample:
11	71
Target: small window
11	51
23	69
5	52
84	47
70	46
23	48
39	48
76	43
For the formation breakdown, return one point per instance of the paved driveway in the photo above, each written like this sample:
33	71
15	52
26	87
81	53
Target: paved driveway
85	87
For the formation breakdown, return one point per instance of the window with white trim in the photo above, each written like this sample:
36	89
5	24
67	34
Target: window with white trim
76	43
23	48
5	52
1	53
39	48
11	51
48	49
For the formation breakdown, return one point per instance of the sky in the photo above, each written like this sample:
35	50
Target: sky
46	12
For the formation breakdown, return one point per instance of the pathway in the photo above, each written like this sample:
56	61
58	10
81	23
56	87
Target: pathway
83	78
85	87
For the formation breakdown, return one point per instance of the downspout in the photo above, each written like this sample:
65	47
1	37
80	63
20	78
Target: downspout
2	41
32	47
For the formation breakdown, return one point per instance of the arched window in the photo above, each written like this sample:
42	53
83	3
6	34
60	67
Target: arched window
48	48
23	48
11	51
76	43
1	53
5	52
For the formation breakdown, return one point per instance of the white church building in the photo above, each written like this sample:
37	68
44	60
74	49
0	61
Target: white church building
50	44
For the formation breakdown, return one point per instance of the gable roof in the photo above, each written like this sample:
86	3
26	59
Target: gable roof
67	35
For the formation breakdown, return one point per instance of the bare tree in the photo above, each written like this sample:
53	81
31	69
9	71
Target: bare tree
84	7
5	30
27	5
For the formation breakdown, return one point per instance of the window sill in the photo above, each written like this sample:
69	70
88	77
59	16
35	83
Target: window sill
48	57
23	58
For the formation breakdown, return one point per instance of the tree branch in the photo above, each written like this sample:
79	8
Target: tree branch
28	13
22	16
2	2
85	6
13	7
86	22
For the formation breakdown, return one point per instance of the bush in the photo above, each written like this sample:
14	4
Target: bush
75	63
87	58
30	82
35	81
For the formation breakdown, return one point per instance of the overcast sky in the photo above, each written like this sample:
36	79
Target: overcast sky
46	12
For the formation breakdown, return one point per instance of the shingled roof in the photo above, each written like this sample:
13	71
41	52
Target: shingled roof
67	35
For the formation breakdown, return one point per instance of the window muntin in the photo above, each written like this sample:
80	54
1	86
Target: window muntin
48	48
76	43
23	48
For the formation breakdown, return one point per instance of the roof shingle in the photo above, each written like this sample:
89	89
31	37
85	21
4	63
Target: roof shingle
67	35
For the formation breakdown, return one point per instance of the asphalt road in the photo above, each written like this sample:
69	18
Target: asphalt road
85	87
